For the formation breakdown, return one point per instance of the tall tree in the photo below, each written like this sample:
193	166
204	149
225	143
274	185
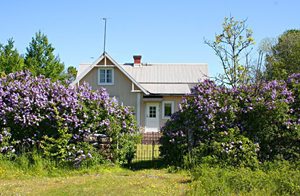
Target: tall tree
284	58
70	75
10	59
231	46
40	60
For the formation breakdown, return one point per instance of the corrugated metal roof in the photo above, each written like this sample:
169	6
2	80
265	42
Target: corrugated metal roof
168	78
82	67
167	73
179	89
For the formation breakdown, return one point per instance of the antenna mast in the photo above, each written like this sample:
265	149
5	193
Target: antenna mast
105	19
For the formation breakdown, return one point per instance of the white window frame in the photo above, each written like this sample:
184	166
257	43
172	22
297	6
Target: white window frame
163	109
112	76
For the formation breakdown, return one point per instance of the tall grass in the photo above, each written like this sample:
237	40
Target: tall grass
32	164
278	178
25	165
271	179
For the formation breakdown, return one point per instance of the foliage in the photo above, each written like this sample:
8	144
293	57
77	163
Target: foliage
270	122
280	180
284	58
293	83
6	148
10	59
234	150
57	147
68	76
233	126
231	47
53	118
71	74
40	60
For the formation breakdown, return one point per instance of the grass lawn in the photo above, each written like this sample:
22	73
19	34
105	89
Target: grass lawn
20	177
103	182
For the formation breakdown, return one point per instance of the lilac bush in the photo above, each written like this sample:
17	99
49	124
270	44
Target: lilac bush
268	122
34	108
293	83
235	126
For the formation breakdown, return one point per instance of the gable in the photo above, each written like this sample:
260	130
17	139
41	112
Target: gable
105	61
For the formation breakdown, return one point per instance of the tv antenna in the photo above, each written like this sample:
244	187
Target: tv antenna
104	44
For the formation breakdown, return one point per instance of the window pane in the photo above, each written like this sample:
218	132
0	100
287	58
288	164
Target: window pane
109	76
152	112
168	109
102	75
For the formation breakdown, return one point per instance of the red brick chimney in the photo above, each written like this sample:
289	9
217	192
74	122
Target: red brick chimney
137	60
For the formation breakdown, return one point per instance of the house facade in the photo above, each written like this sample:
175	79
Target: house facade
153	91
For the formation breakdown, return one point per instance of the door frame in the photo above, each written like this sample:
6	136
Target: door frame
147	105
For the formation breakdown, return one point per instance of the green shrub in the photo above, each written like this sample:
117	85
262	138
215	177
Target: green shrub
230	150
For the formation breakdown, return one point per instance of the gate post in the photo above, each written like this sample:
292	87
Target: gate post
153	145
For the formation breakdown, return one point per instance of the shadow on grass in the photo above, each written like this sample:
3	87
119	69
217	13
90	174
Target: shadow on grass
147	164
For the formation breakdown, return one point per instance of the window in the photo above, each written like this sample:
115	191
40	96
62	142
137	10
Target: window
168	109
106	76
152	112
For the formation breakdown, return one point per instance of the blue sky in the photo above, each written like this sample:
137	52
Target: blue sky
162	31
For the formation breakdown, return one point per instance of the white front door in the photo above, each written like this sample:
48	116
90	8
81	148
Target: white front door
152	117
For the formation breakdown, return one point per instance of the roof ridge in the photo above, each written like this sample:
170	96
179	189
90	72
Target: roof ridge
141	82
145	64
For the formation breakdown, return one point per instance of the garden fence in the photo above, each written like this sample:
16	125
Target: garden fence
148	149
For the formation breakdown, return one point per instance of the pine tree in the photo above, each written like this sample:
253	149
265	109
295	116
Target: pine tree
40	60
10	59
